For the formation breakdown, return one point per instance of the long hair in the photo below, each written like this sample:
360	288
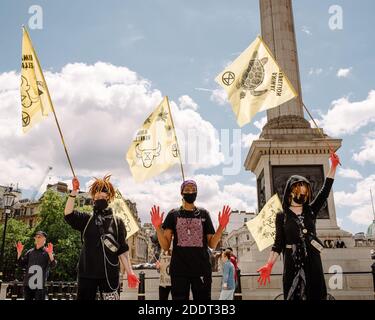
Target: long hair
102	185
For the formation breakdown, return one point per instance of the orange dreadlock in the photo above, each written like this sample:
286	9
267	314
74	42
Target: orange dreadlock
102	185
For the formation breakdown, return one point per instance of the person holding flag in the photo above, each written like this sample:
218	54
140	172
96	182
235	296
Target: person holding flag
296	238
192	232
104	247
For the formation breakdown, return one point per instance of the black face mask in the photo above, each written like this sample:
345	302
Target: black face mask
100	204
301	199
189	197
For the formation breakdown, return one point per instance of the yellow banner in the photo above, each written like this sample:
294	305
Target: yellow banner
262	227
121	209
35	97
254	82
154	148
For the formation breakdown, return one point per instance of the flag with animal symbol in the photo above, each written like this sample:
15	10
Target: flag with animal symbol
262	227
35	97
154	148
121	209
254	82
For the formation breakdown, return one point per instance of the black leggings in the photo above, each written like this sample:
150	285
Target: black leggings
87	288
200	287
164	292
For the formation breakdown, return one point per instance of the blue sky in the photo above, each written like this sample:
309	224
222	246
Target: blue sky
179	46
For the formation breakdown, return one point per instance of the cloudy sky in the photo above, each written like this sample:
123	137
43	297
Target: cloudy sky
109	63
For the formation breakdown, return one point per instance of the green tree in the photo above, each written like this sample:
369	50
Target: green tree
16	231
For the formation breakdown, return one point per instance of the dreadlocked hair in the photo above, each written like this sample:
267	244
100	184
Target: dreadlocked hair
102	185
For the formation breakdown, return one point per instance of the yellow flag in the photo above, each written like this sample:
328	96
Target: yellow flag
254	82
262	227
35	97
155	147
121	209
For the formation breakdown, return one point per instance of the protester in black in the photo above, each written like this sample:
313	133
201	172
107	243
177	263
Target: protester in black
303	277
192	231
37	263
104	246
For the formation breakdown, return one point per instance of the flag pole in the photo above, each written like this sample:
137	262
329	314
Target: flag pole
175	136
319	130
50	101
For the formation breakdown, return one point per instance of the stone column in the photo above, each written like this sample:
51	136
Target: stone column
277	26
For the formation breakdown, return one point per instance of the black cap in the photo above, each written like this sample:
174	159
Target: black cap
42	233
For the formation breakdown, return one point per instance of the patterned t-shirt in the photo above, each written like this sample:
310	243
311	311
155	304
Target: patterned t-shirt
190	255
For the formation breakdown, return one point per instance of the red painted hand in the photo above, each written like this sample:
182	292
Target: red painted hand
335	160
265	272
224	218
156	218
132	280
19	247
49	248
75	183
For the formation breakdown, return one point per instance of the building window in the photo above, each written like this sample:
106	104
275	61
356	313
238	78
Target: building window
247	237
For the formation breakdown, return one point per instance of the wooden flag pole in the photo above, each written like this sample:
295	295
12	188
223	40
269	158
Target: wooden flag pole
53	109
175	136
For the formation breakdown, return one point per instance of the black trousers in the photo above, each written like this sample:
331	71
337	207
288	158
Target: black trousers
164	292
200	287
34	294
88	288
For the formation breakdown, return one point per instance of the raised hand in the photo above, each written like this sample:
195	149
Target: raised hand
49	248
75	184
132	280
156	218
224	217
265	272
19	247
335	160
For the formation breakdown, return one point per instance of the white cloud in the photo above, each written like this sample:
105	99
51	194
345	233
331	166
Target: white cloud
362	215
306	30
260	123
219	96
359	200
99	107
367	153
349	173
315	71
343	72
345	117
247	139
187	103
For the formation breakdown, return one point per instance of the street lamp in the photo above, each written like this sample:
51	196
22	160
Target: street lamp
8	200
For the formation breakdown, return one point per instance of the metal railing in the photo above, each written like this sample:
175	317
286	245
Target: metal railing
68	290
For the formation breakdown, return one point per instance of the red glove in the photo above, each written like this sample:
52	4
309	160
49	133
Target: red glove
335	160
224	218
19	247
265	272
132	280
75	183
49	248
156	219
